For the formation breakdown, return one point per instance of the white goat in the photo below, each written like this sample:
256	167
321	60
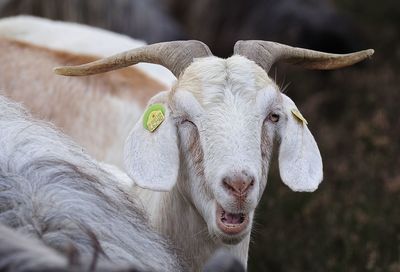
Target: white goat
212	148
212	151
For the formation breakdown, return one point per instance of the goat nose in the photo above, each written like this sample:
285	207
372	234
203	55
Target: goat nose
238	184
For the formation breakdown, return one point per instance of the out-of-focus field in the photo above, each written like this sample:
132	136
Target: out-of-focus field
352	222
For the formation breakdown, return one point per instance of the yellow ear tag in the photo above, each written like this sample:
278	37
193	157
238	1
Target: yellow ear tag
299	116
153	117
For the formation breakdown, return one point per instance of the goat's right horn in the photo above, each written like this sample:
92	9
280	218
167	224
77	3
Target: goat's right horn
175	56
266	53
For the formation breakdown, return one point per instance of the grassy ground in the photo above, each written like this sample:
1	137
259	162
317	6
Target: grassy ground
352	222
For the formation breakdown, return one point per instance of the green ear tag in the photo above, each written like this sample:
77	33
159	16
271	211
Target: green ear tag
299	116
153	117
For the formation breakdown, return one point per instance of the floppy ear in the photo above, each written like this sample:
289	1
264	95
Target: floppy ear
152	158
300	163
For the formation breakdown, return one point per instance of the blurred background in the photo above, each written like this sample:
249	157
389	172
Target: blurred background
352	222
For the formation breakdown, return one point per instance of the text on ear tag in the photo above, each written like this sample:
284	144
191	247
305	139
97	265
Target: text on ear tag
299	116
153	117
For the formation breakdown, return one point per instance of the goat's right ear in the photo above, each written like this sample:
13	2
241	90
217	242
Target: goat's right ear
152	157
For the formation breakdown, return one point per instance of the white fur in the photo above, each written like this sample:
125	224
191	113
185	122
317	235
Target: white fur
77	38
123	179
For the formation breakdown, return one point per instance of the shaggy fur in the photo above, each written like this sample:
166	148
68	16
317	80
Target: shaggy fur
52	191
20	253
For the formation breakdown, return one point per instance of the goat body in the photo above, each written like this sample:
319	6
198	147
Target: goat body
51	191
37	87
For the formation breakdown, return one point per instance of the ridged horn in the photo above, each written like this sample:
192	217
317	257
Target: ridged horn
266	53
175	56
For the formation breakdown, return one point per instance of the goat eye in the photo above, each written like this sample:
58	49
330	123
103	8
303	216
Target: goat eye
273	117
186	121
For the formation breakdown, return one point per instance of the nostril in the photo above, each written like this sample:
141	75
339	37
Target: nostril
246	185
252	183
238	186
227	185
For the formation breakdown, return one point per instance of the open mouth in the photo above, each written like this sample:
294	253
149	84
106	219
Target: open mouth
231	223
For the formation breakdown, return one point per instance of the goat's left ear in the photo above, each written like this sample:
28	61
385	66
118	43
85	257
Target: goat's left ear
300	163
151	153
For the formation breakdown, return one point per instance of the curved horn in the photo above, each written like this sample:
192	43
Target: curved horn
175	56
266	53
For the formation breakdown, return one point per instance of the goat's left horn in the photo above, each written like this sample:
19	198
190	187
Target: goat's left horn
266	53
175	56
